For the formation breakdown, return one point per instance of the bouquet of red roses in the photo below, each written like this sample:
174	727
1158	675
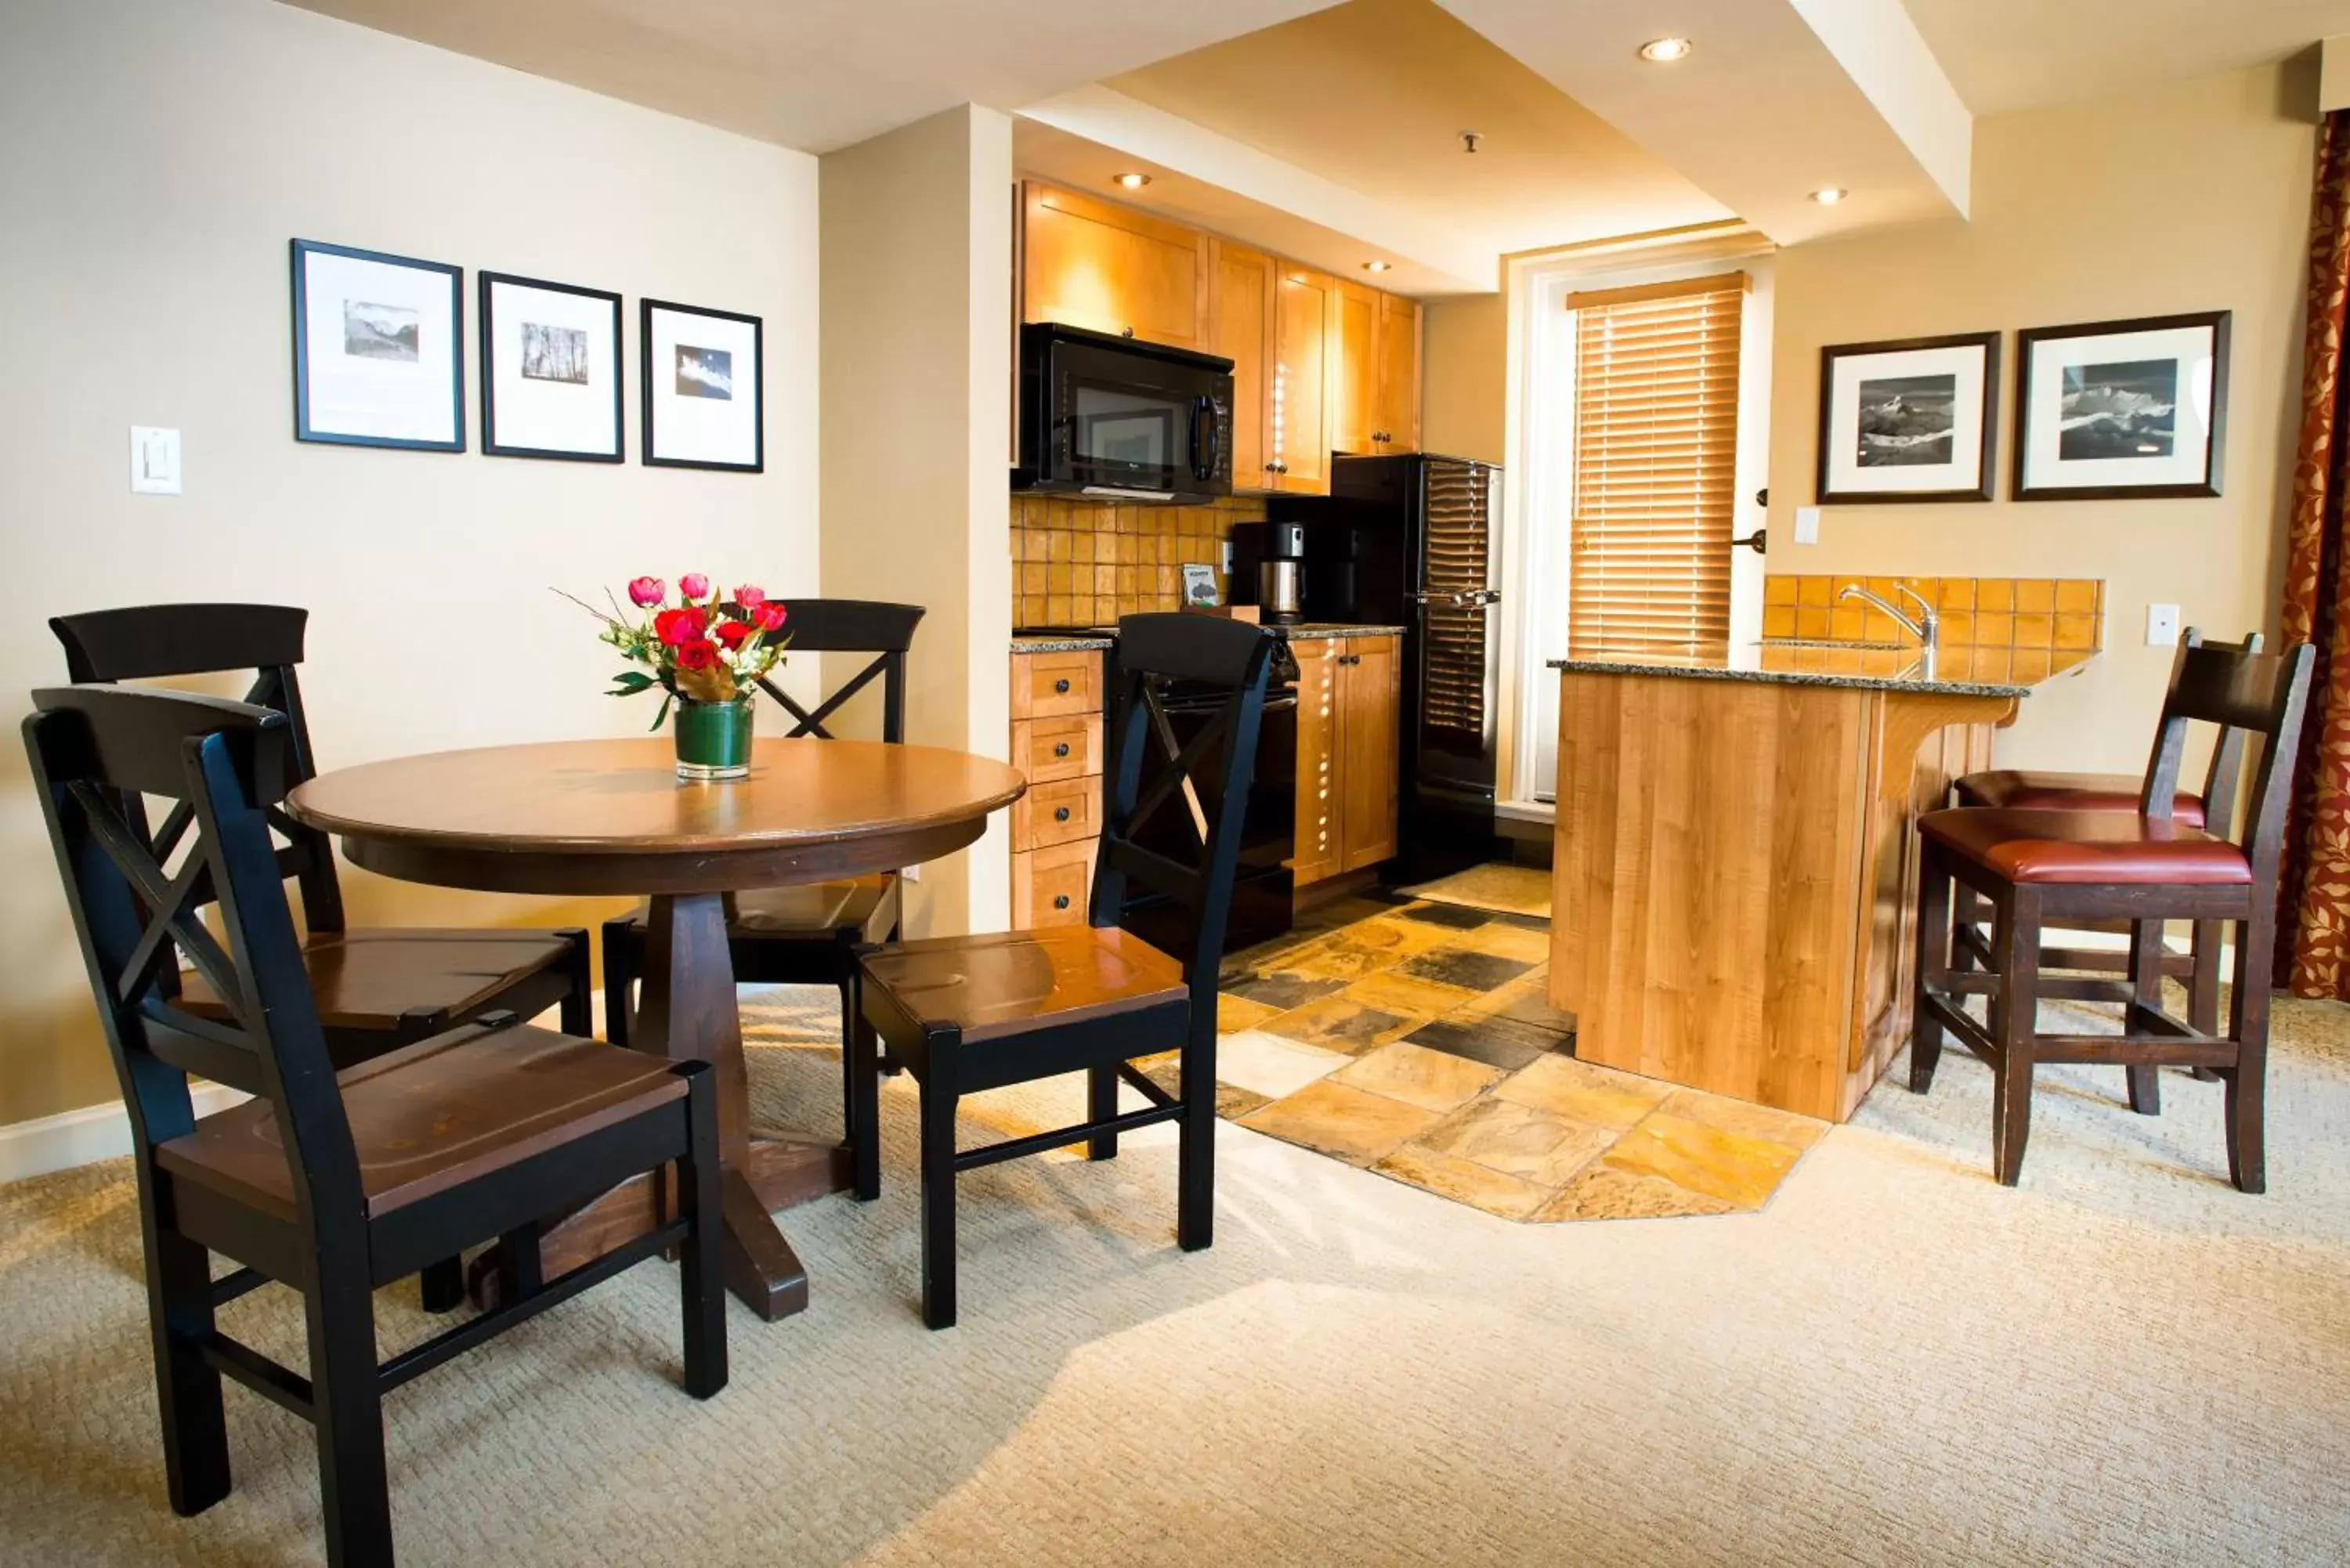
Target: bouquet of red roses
703	649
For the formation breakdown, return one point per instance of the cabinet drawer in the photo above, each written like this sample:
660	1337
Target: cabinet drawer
1055	685
1060	813
1050	749
1049	886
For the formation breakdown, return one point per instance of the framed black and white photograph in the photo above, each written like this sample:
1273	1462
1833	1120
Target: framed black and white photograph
378	356
1913	420
2115	410
550	370
703	382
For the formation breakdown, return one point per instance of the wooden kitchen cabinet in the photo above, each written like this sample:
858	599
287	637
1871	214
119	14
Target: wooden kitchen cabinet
1298	425
1056	740
1095	264
1241	286
1354	395
1397	426
1348	726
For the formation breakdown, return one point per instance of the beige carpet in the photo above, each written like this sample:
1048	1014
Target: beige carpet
1511	889
1896	1362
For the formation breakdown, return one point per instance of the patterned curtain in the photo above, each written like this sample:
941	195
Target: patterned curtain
2313	954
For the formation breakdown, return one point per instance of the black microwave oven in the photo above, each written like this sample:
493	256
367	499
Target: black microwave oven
1121	419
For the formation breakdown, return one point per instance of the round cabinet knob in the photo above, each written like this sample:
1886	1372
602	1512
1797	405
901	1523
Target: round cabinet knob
1061	688
1062	750
1061	902
1061	813
1126	332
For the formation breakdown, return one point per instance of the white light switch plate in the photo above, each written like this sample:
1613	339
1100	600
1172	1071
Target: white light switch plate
2162	626
1807	524
154	461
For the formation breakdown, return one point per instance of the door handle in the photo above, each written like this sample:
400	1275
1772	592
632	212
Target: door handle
1208	453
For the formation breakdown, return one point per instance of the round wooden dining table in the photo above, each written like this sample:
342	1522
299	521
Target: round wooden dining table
595	817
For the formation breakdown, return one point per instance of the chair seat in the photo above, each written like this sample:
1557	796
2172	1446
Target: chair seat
436	1115
991	986
2095	848
369	979
2023	789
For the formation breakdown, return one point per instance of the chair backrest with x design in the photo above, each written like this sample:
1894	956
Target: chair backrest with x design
1206	655
851	626
157	642
2251	695
137	913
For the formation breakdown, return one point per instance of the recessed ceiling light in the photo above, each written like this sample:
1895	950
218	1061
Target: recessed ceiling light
1134	182
1829	195
1376	265
1665	51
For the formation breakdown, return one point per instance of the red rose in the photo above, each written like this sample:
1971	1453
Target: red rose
769	616
732	633
694	586
697	656
646	591
749	596
680	627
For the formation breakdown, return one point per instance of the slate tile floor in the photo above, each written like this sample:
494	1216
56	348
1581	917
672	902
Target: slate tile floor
1414	1039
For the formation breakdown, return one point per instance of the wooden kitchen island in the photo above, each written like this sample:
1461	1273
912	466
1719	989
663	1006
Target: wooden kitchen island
1735	873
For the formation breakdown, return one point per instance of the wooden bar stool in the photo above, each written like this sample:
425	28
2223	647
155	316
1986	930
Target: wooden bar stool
2039	868
2033	790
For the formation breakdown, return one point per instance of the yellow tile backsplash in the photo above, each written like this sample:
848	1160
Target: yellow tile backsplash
1083	563
2029	615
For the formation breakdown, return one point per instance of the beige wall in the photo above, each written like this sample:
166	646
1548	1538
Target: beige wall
155	157
2212	213
1465	376
915	376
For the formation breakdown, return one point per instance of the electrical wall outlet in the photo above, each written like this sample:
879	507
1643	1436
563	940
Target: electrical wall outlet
2162	626
1807	524
911	873
1226	556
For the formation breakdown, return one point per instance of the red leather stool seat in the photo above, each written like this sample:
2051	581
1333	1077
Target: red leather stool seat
2022	789
2085	846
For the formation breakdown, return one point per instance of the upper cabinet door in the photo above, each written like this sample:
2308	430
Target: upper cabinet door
1354	368
1397	427
1298	438
1241	308
1090	263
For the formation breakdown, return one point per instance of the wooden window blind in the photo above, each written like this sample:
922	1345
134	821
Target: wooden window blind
1655	444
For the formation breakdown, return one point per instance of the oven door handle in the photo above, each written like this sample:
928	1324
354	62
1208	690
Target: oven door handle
1209	453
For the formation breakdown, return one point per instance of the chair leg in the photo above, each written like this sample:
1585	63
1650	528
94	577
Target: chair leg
442	1286
619	979
348	1410
1935	956
576	1014
187	1392
701	1271
1195	1173
862	1077
2203	986
1101	1105
938	1198
2146	990
1966	909
521	1272
2249	1024
2014	1022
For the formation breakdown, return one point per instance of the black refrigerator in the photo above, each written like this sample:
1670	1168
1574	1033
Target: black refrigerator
1409	541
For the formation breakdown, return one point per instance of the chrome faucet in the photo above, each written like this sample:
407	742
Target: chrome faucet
1927	629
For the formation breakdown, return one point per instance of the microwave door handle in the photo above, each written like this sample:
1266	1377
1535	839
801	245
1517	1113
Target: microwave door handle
1211	451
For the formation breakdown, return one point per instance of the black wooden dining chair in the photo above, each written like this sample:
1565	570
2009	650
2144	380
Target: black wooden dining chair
330	1184
2041	868
964	1014
814	934
376	989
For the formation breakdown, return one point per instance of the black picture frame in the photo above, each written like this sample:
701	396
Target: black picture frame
649	433
1986	456
2215	446
491	446
304	429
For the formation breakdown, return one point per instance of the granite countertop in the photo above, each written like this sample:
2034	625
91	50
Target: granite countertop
1090	638
1347	628
1961	671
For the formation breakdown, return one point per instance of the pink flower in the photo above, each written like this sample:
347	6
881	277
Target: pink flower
646	591
769	616
749	596
696	656
694	586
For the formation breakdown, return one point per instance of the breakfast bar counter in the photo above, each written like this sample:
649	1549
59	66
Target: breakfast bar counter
1735	867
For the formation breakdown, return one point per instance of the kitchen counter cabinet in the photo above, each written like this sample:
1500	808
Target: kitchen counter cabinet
1735	865
1348	727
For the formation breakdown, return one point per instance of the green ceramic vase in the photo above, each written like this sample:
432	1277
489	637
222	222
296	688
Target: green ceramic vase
713	740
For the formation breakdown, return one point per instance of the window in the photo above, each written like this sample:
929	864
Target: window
1656	452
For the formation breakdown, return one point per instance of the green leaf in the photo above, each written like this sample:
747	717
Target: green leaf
660	718
631	682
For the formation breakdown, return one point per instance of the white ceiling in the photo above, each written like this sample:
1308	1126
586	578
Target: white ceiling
2004	55
817	73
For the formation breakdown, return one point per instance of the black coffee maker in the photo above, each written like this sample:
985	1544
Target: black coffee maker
1270	559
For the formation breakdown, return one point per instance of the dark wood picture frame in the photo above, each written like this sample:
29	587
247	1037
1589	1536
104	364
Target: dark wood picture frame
490	444
2215	449
303	429
645	435
1986	460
